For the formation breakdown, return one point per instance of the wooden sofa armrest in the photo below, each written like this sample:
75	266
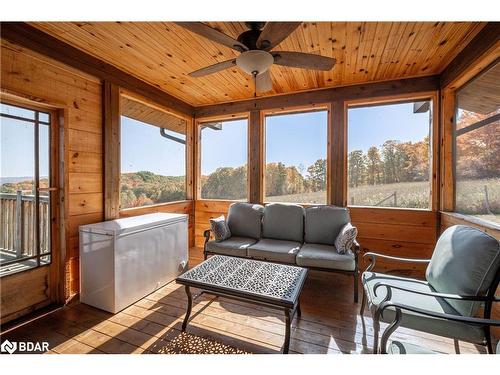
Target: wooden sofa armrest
373	257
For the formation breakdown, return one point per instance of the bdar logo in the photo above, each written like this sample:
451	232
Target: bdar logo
8	347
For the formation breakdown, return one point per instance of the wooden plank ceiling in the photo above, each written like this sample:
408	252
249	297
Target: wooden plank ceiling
163	53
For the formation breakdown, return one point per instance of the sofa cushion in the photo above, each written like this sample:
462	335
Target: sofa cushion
465	261
219	228
245	219
235	246
283	222
274	250
446	328
324	256
323	223
346	238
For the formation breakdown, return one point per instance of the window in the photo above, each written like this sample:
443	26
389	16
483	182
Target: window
477	147
296	147
153	156
25	228
224	160
388	159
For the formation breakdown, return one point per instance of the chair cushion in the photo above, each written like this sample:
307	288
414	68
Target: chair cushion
274	250
465	261
323	223
283	222
235	246
324	256
446	328
245	219
398	347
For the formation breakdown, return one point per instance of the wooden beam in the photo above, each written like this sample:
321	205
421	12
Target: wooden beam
483	43
337	165
316	97
255	157
30	37
447	174
111	110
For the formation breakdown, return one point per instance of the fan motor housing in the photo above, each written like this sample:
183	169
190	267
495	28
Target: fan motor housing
249	38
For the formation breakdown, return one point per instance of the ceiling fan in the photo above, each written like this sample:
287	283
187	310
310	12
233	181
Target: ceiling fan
255	46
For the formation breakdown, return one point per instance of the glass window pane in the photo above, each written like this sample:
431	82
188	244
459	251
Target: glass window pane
44	117
296	146
389	155
224	160
477	147
153	162
17	111
16	191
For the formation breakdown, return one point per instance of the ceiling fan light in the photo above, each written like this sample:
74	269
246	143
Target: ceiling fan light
254	61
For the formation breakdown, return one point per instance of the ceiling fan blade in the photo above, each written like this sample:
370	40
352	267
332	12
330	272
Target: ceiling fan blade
274	33
213	68
303	60
214	35
263	82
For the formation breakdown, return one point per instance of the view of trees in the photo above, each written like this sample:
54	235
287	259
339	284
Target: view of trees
145	188
394	162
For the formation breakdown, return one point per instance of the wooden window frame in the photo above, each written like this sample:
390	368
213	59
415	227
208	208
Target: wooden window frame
248	116
450	141
112	151
434	137
329	134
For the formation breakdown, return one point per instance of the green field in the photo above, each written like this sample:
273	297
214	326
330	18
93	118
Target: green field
471	197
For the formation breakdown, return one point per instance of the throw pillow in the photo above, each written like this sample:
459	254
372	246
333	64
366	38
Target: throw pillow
345	238
220	228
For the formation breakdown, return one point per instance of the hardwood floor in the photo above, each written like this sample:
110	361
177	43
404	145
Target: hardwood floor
330	323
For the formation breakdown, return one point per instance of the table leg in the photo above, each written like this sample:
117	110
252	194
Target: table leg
288	323
189	306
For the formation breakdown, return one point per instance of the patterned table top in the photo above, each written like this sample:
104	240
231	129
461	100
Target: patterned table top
276	282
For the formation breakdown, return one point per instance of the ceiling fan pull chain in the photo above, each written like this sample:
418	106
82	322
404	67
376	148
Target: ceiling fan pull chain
254	74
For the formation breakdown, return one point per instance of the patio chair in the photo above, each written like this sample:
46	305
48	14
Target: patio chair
461	277
399	347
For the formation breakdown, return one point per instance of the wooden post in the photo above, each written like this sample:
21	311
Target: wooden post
111	151
255	157
337	164
18	237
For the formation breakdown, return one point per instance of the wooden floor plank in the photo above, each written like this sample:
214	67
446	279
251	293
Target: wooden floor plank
330	323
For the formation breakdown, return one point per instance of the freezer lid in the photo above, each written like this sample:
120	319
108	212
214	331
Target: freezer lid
132	224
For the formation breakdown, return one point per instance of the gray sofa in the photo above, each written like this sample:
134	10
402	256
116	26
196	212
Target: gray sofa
288	233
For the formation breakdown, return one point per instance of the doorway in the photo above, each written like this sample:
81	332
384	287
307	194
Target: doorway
28	217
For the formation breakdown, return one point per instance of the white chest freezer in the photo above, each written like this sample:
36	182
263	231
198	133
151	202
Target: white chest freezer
123	260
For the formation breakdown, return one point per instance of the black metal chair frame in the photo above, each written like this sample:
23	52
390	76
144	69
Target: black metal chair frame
356	248
398	316
488	299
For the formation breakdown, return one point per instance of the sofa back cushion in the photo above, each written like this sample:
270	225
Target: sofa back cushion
465	261
283	222
323	223
245	219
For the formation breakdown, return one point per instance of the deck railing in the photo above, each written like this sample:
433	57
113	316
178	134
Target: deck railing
17	224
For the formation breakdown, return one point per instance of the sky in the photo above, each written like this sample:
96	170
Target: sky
17	148
294	139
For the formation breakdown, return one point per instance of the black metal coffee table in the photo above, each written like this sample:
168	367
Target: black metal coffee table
269	284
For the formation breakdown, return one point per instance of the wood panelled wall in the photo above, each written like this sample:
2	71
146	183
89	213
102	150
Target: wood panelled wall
77	98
